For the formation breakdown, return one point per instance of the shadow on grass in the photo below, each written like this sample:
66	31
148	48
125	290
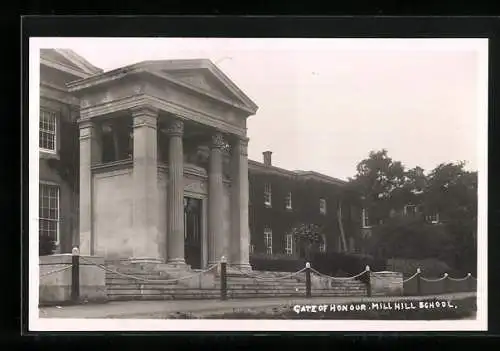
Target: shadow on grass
461	309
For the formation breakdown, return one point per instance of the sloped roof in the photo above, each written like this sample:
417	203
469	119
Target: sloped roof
200	75
261	167
69	61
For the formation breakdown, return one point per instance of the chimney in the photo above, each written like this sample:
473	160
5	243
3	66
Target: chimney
267	158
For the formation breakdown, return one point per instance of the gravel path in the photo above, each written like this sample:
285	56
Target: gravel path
159	309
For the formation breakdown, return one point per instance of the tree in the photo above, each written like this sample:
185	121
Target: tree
451	191
411	238
307	236
379	181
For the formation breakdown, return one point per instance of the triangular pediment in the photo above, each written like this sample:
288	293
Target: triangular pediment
54	56
203	76
70	59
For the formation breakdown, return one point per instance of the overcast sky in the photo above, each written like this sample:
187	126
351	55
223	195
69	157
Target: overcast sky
324	104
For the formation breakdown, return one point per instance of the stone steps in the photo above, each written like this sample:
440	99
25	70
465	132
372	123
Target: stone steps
239	285
215	294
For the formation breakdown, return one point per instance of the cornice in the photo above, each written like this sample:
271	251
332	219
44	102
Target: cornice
78	86
60	67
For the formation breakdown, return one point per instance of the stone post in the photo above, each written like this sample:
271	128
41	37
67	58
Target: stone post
145	186
90	154
240	236
175	194
215	201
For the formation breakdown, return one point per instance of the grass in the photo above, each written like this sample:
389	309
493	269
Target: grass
460	309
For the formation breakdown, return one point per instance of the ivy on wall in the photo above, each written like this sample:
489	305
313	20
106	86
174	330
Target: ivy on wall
306	195
67	162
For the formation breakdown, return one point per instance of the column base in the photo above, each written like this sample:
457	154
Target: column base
144	260
244	267
177	263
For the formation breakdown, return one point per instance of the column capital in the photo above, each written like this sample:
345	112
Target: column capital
85	123
218	141
175	127
242	142
144	110
145	119
85	127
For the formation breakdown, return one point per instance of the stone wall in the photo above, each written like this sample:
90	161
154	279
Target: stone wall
56	287
112	214
386	283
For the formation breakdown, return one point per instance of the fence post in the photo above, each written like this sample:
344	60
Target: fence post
75	274
308	279
223	278
446	283
419	282
469	282
368	282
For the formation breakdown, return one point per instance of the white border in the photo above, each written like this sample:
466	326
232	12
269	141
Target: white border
480	45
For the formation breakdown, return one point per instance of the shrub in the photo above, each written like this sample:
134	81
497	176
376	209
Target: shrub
276	263
345	264
46	246
430	267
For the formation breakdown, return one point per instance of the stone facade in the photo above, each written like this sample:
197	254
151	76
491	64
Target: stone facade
133	206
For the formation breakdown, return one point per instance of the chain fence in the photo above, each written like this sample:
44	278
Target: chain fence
228	286
46	274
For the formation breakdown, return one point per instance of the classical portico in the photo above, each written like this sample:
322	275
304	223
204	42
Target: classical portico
175	189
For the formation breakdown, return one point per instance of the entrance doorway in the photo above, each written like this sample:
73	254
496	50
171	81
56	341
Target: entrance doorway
192	232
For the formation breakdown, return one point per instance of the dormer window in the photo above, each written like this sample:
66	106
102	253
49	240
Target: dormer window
288	201
48	131
267	195
322	206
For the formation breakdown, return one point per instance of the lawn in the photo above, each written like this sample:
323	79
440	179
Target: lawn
426	309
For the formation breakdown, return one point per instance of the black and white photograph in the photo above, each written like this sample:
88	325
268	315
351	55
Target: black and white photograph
258	184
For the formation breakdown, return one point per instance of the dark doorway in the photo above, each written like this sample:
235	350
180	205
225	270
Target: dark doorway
192	232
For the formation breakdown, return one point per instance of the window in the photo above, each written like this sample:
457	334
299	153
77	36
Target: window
433	218
410	210
268	240
267	195
322	206
288	201
289	244
47	132
49	211
365	220
322	246
252	248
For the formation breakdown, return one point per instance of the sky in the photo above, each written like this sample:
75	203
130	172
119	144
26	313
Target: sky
324	104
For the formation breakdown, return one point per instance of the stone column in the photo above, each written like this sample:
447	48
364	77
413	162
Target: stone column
175	194
90	154
239	237
215	201
145	186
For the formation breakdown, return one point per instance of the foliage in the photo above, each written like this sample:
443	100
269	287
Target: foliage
430	267
307	236
378	181
67	164
275	263
385	187
339	264
305	208
410	238
46	246
465	308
